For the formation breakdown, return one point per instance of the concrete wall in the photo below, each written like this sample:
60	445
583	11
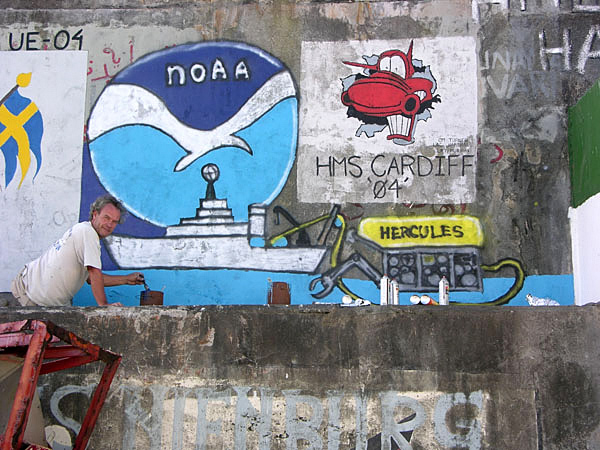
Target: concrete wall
312	377
488	151
479	191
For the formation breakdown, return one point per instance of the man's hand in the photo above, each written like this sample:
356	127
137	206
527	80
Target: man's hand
134	278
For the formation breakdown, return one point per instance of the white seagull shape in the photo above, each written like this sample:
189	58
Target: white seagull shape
127	104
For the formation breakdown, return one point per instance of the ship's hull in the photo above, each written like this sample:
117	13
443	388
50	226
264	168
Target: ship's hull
210	252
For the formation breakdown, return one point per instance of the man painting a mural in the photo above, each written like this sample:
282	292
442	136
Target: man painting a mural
57	275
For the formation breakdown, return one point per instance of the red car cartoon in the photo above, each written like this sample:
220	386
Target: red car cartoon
394	93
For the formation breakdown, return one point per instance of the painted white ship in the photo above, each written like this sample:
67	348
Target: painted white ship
213	240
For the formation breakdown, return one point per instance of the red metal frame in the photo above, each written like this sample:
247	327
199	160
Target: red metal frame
48	348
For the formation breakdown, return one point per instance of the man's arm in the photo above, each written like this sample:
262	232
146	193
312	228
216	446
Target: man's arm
96	280
118	280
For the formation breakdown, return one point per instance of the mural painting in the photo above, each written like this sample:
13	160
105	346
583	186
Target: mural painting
42	112
385	127
197	107
416	252
395	95
22	133
197	119
198	141
585	192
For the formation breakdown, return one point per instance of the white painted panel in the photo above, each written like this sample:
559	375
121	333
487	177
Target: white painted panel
438	167
586	250
38	211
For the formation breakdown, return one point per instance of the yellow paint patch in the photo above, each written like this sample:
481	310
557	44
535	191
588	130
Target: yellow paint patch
416	231
14	128
24	79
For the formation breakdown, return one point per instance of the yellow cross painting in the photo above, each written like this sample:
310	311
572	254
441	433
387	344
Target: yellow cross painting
21	129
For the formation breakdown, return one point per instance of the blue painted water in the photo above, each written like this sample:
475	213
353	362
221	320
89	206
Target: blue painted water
136	164
235	287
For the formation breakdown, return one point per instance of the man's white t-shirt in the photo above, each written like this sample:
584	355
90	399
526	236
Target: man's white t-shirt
58	274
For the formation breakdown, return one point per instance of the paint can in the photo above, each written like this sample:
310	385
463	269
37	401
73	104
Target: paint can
444	288
395	292
384	290
279	293
148	297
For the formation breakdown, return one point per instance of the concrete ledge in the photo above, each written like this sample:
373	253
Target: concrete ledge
336	377
4	298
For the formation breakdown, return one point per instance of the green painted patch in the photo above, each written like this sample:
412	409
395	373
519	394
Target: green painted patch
584	146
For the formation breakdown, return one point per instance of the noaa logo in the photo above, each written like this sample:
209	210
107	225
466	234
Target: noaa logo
199	73
162	119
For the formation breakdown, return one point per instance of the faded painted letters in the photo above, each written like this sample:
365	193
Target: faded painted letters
244	417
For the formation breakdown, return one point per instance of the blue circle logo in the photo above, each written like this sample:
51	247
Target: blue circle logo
168	115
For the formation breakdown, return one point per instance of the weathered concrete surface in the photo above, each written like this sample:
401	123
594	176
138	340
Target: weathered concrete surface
331	377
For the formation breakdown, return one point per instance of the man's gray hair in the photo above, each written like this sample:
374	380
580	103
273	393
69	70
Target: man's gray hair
104	200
